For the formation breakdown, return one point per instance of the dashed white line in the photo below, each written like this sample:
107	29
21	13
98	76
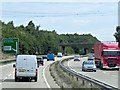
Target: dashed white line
9	75
104	72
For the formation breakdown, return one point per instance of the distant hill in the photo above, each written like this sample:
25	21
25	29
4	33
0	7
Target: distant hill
35	41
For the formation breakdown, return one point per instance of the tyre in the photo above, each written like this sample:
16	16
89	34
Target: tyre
36	79
16	79
83	70
101	66
117	69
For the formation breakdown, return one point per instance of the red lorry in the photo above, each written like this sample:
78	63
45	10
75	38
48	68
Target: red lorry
107	56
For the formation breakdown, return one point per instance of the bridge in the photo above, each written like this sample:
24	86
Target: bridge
82	44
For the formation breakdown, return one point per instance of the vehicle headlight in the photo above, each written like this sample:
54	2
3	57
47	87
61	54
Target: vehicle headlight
94	66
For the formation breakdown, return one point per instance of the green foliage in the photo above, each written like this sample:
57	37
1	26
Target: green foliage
70	50
117	34
35	41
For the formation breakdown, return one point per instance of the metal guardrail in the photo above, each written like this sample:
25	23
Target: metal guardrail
6	61
101	85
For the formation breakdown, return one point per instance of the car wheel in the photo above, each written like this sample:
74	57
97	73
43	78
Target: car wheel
36	79
16	79
83	70
117	69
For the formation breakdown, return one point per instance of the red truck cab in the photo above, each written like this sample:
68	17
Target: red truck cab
107	56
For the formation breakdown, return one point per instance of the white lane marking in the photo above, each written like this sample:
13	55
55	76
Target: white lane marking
45	78
105	73
9	75
70	68
4	79
68	63
114	76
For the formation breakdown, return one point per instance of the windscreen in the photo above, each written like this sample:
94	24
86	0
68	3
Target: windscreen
111	53
90	63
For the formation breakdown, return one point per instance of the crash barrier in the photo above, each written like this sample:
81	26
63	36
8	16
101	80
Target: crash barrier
6	61
84	79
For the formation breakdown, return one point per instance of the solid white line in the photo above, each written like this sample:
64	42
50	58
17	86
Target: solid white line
45	77
68	63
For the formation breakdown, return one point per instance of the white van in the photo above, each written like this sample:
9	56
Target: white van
26	67
59	54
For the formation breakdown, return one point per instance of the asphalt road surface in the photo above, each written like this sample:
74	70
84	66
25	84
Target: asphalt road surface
44	78
110	77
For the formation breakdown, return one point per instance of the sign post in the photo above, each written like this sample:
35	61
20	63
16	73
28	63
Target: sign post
11	46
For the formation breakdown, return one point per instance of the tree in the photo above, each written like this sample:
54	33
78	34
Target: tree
30	27
117	35
10	25
33	40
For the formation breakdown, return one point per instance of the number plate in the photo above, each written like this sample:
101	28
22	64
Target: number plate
22	70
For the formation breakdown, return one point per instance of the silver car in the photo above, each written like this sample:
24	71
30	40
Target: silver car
89	66
77	58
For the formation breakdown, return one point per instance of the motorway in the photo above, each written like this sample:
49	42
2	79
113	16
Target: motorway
44	78
46	81
110	77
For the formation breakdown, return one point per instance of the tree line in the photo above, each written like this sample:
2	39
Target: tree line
32	40
117	35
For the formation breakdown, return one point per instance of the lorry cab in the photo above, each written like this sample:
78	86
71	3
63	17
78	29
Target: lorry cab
107	56
111	58
26	67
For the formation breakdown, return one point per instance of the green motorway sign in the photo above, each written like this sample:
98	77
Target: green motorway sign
11	45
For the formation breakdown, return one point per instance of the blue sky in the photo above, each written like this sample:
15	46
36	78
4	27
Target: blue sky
100	19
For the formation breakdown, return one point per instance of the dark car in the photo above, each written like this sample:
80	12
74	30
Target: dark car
44	56
89	66
40	61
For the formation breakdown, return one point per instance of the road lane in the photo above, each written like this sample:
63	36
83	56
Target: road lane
10	83
8	78
107	76
44	78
